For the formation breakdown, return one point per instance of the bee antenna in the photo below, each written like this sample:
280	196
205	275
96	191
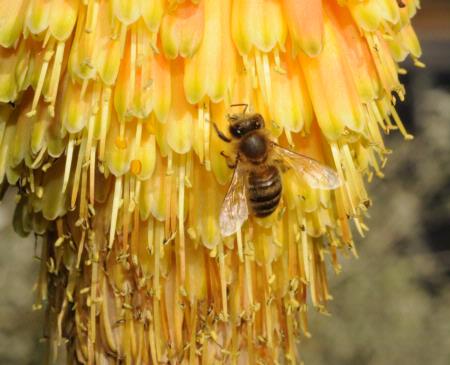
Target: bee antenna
231	117
245	105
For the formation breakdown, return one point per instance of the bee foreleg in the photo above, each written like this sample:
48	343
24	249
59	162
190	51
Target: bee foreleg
230	163
222	136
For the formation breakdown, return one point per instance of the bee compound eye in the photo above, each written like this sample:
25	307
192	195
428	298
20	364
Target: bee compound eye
259	121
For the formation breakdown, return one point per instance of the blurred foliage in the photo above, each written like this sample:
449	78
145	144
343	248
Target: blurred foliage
20	327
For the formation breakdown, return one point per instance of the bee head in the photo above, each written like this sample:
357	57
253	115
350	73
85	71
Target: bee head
241	124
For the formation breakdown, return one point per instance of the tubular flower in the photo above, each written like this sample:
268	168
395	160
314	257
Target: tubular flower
106	128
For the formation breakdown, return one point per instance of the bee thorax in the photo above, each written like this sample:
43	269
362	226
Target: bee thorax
254	147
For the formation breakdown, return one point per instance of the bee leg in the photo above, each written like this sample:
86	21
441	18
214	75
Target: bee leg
230	163
222	136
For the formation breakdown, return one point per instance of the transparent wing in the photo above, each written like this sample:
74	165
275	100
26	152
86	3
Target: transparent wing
314	173
234	210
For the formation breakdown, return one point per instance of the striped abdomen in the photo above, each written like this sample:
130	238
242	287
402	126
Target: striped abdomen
264	191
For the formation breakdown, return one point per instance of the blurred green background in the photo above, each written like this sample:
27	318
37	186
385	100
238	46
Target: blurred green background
393	303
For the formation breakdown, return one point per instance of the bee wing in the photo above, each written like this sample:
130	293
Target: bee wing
314	173
234	210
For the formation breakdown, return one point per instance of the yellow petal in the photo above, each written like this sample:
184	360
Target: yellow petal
209	72
144	89
367	14
182	30
134	89
390	10
38	15
257	23
39	130
146	155
110	47
196	275
56	136
8	86
291	106
208	210
145	199
332	89
180	119
75	108
21	142
64	15
305	22
152	12
54	205
357	53
12	15
22	75
83	61
118	149
160	70
127	11
5	146
398	50
157	190
410	41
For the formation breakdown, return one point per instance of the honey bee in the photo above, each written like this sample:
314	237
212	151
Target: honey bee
256	185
